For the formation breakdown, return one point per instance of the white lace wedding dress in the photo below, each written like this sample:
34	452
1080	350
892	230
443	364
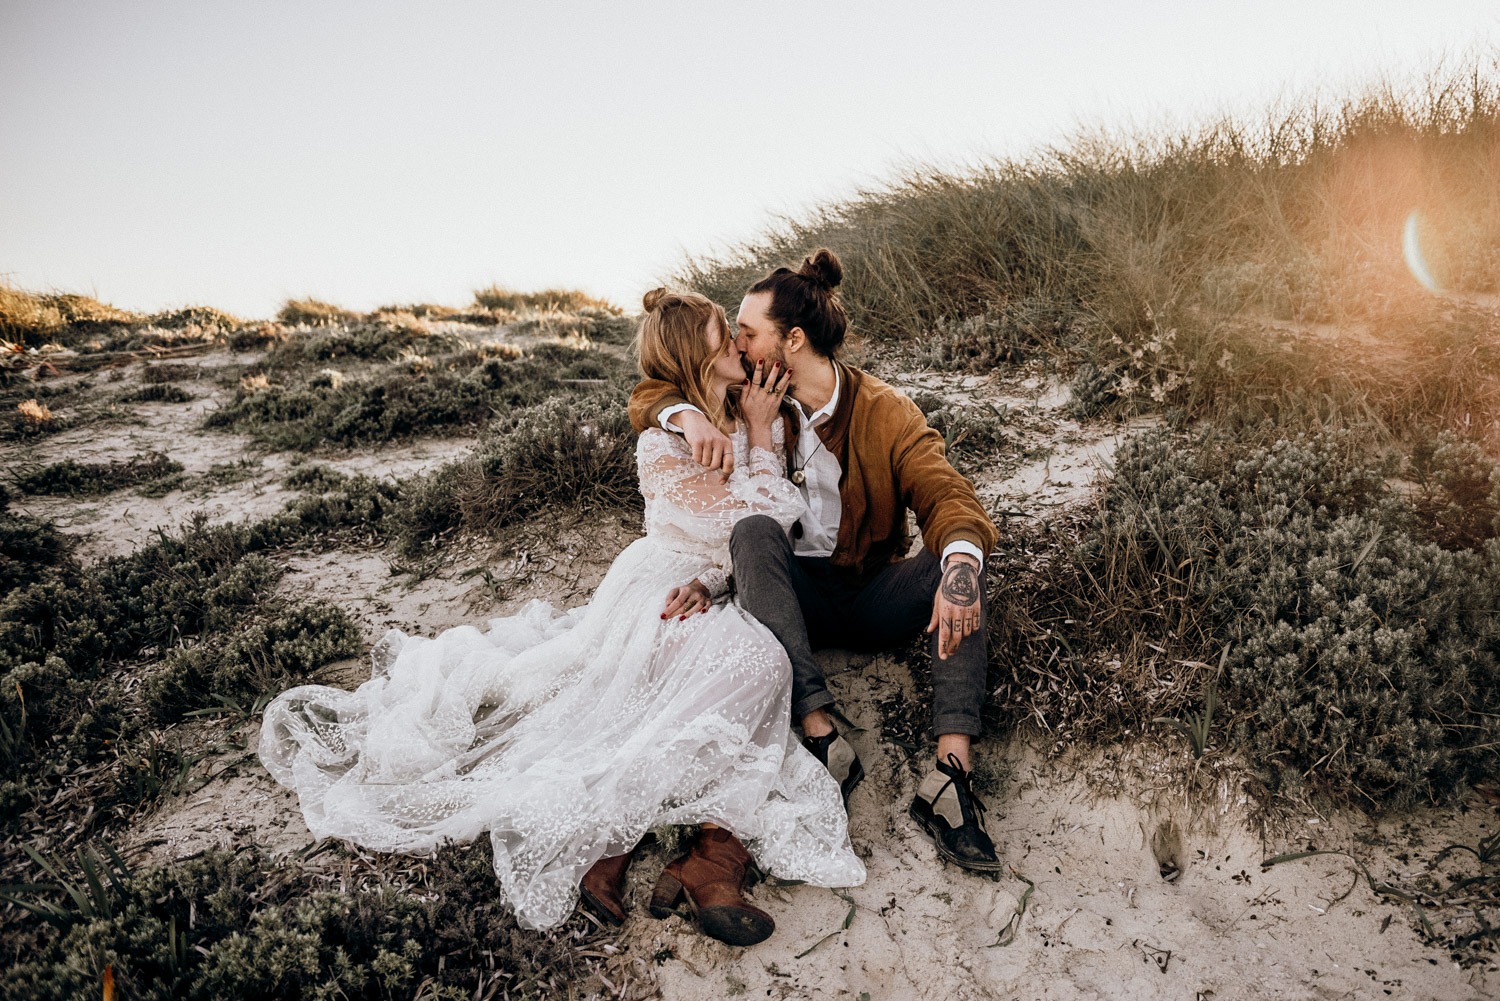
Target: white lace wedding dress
568	736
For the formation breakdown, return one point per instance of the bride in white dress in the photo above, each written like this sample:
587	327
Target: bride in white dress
569	735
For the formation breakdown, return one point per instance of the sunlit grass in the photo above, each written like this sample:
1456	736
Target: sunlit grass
1245	265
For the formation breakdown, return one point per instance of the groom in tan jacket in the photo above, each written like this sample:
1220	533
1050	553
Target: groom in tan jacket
862	454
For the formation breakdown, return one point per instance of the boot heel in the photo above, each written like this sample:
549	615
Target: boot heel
667	896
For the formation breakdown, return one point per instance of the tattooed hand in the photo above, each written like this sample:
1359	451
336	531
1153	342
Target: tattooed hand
956	608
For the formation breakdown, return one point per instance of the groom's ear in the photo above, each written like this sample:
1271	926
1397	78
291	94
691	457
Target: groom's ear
795	339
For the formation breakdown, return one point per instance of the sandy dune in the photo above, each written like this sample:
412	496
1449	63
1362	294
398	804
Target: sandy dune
1084	912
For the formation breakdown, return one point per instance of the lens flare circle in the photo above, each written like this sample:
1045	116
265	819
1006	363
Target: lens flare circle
1411	248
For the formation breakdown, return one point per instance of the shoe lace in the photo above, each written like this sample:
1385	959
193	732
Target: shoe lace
969	801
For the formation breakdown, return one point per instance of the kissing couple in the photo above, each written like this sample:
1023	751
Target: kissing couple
568	736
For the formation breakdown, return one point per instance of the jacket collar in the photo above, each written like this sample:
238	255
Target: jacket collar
835	433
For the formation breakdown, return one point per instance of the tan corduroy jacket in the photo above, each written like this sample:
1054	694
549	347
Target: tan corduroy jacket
892	462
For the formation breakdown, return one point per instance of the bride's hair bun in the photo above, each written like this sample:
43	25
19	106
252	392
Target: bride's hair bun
823	267
654	299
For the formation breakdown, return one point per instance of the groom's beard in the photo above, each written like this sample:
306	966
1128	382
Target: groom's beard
770	359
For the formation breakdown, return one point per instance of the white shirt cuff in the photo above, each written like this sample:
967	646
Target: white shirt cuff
669	412
967	548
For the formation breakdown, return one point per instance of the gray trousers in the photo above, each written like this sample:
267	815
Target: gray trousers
809	604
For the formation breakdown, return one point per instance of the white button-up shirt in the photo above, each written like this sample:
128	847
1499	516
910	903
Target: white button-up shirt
820	529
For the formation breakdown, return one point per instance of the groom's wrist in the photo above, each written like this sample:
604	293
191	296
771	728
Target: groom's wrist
965	550
667	415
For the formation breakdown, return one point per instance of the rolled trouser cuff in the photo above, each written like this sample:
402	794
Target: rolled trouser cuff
956	723
809	703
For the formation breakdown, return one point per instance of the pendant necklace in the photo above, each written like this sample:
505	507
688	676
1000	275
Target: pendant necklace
799	475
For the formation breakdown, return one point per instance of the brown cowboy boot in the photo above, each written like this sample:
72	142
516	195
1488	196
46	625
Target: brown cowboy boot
603	886
711	877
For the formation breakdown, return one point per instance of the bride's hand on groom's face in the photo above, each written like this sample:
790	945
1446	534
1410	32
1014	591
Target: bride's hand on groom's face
760	399
686	600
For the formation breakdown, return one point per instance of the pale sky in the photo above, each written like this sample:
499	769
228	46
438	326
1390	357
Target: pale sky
236	154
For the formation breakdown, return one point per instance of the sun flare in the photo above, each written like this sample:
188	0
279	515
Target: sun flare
1411	248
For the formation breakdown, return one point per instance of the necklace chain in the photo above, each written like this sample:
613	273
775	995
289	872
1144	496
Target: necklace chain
799	474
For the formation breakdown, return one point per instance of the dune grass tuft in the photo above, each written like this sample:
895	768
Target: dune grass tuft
553	300
314	313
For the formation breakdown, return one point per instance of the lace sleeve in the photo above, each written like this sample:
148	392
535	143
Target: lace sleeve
668	473
716	579
687	502
758	461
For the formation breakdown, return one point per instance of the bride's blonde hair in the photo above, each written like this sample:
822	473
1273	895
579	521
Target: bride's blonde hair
672	344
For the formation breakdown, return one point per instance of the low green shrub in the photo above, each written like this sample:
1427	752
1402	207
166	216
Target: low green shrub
574	452
358	508
570	362
985	342
242	925
355	412
205	317
203	579
163	486
31	418
29	547
314	477
385	339
1359	655
126	606
257	337
261	658
513	382
162	392
1459	490
969	432
223	474
430	508
328	408
92	479
1094	390
608	326
167	372
201	602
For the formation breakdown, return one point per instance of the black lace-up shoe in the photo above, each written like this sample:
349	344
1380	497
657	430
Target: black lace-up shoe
947	809
838	756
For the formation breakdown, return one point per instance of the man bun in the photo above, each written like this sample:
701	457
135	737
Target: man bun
808	298
653	300
823	267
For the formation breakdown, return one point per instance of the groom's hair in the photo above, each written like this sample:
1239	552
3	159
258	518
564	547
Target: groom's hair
809	298
672	345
